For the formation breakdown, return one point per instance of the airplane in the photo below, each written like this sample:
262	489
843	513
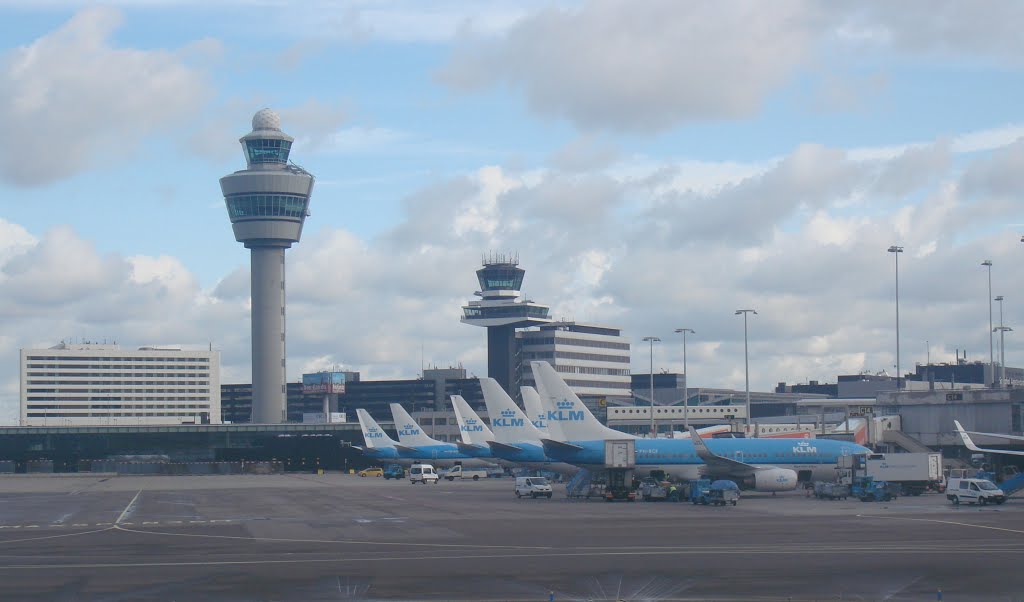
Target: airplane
971	445
758	464
472	429
534	409
516	439
412	437
378	443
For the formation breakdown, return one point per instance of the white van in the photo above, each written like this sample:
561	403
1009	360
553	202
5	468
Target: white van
971	491
533	487
422	473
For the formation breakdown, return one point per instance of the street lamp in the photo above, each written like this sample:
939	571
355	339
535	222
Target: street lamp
686	380
1002	350
652	340
1003	355
991	354
896	250
746	362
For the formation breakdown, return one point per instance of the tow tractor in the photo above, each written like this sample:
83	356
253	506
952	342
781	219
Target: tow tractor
718	493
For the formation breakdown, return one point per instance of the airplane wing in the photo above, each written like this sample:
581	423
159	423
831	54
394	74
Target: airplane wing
971	445
719	465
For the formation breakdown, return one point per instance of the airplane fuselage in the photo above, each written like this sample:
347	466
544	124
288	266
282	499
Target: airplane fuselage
814	458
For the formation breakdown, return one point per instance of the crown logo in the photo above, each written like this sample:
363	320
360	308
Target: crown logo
410	426
471	421
565	404
508	413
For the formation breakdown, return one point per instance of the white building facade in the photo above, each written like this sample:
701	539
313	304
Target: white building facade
92	384
593	360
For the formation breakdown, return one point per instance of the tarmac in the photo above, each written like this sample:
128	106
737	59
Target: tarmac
342	537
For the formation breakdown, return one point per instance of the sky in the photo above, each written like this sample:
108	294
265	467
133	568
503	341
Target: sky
655	164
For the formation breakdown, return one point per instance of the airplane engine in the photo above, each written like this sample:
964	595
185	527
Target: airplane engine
775	479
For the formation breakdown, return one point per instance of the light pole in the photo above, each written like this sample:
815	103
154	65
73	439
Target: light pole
991	354
652	340
686	380
1002	354
1002	350
746	362
896	250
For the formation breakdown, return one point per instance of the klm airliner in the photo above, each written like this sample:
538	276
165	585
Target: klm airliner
421	446
515	438
758	464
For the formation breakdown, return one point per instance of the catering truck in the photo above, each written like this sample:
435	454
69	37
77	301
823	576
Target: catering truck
915	473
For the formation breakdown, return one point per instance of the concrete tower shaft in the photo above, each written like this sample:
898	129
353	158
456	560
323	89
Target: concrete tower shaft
267	204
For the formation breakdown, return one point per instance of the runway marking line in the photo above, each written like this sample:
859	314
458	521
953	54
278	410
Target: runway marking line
128	507
944	522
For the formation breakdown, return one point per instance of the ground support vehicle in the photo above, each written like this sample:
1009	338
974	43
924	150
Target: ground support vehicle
459	472
534	487
619	485
394	471
652	490
915	473
825	490
422	473
974	491
867	489
375	471
717	493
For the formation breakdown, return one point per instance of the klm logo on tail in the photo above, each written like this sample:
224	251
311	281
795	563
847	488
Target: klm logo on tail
565	412
373	433
409	430
472	426
507	419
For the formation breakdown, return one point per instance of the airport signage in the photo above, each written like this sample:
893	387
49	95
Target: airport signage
330	383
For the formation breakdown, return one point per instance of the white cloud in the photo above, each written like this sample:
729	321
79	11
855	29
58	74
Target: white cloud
71	98
643	66
635	248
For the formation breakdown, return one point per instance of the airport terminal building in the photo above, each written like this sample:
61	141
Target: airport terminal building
78	384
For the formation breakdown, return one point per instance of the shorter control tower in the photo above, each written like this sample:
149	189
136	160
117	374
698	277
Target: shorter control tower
267	204
501	313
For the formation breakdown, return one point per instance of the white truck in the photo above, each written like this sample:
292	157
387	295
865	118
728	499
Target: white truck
459	472
914	472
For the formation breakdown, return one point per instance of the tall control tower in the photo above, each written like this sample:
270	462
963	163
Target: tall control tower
499	311
267	203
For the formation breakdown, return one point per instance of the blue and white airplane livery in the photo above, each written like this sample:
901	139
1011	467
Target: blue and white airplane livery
516	439
758	464
411	437
378	443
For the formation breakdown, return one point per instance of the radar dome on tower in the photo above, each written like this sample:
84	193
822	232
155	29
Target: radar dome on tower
266	119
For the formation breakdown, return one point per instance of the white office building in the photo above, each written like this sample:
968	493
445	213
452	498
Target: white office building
91	384
593	360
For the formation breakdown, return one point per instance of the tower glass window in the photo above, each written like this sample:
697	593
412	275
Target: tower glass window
264	205
267	150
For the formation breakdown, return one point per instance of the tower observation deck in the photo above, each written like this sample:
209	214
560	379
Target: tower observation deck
267	203
500	311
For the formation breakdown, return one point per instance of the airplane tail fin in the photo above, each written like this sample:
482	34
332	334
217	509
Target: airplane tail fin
534	411
373	435
698	444
471	427
967	438
409	432
509	423
565	408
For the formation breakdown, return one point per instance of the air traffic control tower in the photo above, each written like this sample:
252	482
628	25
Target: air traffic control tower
267	203
498	310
